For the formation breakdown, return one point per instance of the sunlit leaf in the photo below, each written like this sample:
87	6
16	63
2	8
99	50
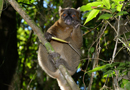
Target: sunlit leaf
119	7
106	3
25	1
92	15
29	65
89	6
98	68
117	0
117	4
83	8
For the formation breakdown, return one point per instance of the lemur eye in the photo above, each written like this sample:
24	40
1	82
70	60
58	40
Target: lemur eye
64	14
73	15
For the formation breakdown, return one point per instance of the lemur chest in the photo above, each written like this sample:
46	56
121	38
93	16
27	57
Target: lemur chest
65	33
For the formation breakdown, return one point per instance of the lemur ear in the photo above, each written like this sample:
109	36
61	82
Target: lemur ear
60	10
78	9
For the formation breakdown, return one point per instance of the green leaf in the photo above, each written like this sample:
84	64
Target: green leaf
113	10
24	84
86	14
97	68
115	64
92	50
83	8
122	13
122	64
109	72
105	16
113	6
89	6
117	1
27	1
106	3
127	85
118	4
119	7
29	65
92	15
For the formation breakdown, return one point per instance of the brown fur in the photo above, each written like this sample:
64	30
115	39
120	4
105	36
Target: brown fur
70	33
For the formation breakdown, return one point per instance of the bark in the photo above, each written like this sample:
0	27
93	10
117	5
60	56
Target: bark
8	47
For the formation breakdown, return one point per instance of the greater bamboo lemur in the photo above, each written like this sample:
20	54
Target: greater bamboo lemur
66	28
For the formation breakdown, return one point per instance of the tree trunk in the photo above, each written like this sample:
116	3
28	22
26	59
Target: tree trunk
8	47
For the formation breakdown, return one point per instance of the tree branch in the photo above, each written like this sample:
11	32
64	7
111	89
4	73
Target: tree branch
1	6
114	53
118	30
66	76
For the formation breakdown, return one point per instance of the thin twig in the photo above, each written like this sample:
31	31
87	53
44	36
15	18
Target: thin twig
31	81
114	52
90	48
118	30
92	29
124	44
96	58
112	26
102	31
119	51
97	51
100	34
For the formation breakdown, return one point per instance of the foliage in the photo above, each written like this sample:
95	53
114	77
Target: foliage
108	11
99	65
110	69
112	9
